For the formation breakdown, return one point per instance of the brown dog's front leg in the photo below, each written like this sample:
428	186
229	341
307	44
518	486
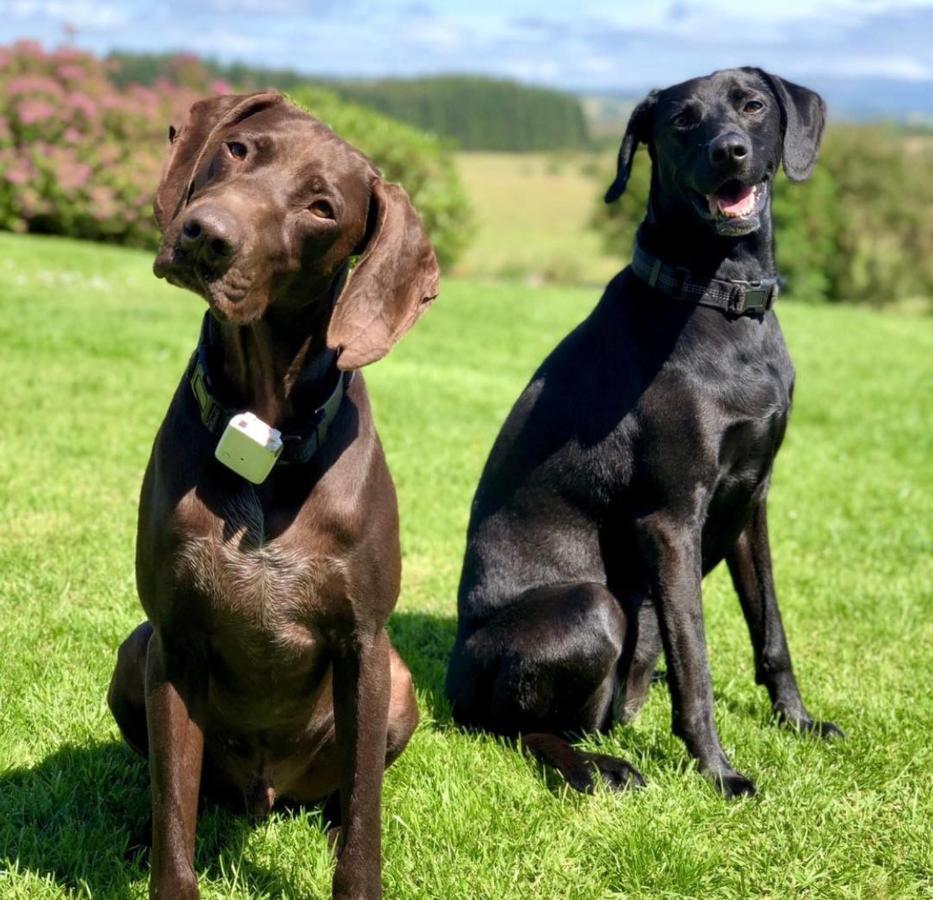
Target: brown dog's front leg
176	748
361	709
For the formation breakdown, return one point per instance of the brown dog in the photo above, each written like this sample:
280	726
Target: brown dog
263	671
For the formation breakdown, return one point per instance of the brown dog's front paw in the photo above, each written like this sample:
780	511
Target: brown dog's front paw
355	888
175	887
734	784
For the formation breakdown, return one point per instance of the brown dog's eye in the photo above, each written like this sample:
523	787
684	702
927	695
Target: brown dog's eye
753	106
322	209
237	150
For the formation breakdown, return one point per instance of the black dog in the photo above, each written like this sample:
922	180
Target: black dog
640	454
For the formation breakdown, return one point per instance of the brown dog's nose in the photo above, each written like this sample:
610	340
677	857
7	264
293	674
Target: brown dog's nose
212	235
729	147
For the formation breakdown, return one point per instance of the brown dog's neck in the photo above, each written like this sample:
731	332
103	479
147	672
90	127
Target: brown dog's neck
278	367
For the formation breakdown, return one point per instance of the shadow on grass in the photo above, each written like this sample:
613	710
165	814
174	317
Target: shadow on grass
424	641
72	818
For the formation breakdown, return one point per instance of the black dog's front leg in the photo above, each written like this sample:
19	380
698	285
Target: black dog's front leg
361	711
749	564
672	548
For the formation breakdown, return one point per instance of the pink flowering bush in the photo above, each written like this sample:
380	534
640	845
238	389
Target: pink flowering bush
81	155
78	155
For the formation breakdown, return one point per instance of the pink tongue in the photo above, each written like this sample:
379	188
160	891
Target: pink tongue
739	204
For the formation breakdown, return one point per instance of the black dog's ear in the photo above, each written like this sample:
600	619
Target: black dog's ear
186	145
394	282
803	116
638	131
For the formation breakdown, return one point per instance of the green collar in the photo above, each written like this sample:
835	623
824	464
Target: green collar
297	448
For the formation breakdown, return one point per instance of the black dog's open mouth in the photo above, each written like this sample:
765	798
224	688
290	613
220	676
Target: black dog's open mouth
734	206
735	200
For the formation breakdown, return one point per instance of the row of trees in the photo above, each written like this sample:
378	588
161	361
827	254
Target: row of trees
477	113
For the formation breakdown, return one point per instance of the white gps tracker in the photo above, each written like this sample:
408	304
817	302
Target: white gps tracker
249	447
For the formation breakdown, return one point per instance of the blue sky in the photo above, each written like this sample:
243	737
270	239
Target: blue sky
591	44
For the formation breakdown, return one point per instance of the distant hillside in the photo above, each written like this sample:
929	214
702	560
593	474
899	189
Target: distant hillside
477	113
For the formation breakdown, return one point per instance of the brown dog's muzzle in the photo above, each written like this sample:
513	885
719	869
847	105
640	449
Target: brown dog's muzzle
209	239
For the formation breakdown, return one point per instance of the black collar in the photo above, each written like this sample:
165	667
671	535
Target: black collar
738	298
297	448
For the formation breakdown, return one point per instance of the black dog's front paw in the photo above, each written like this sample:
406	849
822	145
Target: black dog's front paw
616	773
824	730
733	784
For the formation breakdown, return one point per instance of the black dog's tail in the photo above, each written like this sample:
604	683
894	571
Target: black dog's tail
579	768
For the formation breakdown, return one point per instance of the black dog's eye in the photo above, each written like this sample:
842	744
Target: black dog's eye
322	209
753	106
684	119
237	150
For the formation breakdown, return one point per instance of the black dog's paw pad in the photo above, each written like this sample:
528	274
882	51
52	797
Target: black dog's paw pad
735	785
617	774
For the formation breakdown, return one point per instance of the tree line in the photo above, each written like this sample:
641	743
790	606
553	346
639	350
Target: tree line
477	113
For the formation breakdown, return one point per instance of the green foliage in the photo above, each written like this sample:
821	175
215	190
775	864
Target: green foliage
416	160
93	346
859	231
477	113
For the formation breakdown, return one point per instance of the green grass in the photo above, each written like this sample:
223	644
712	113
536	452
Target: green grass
532	213
92	346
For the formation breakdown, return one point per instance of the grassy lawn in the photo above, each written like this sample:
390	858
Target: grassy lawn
532	212
92	347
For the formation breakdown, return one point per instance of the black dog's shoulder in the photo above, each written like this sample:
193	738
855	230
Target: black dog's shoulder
613	381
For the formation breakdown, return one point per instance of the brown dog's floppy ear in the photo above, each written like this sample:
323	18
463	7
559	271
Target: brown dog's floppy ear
393	284
803	116
638	131
187	143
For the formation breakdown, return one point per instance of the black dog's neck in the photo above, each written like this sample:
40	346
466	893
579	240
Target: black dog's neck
278	367
693	245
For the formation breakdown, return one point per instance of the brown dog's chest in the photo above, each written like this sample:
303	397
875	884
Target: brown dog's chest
257	594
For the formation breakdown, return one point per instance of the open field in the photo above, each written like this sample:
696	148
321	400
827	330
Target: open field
532	212
92	347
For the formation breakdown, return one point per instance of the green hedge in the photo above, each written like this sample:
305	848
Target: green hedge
860	230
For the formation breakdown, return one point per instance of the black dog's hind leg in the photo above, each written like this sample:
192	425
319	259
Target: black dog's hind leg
546	666
672	549
749	564
639	667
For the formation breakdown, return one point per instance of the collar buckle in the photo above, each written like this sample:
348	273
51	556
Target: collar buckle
754	297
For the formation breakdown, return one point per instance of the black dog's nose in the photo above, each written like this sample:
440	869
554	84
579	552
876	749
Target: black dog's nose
729	147
213	234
